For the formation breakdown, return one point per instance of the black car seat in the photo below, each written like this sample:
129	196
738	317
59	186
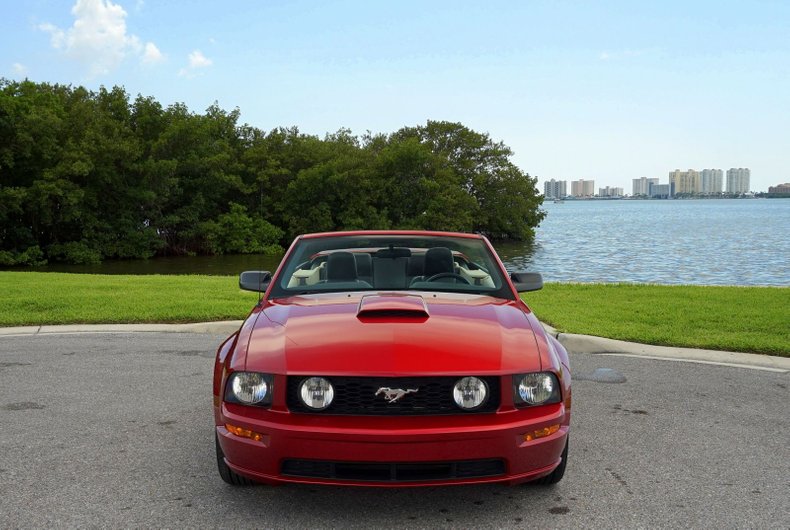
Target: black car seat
341	267
438	260
389	268
364	266
416	266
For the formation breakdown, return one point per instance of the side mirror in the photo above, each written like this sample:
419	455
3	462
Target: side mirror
527	281
256	281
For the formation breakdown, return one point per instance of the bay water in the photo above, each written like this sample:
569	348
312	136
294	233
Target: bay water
701	242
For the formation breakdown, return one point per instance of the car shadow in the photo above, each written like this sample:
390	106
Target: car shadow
423	506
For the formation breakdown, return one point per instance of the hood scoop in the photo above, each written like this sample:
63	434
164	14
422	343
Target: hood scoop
377	307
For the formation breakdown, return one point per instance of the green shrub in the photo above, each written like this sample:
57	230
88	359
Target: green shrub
74	252
236	232
7	259
32	256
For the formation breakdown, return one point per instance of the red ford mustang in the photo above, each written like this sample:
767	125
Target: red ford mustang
391	358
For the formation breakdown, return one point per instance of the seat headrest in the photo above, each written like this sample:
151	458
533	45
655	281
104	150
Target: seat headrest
438	260
341	267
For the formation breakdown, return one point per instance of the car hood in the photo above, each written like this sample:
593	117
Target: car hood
393	335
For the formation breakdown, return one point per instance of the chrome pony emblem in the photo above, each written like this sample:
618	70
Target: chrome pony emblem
394	394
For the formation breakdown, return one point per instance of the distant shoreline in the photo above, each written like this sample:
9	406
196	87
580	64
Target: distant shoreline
574	199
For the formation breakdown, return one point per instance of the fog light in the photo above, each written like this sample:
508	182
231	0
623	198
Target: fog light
540	433
244	433
470	393
317	393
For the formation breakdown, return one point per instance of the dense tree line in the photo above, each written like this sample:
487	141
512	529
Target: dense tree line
88	175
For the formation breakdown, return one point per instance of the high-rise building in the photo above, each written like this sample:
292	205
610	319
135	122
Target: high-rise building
711	181
610	192
583	188
738	180
642	186
660	191
686	181
555	189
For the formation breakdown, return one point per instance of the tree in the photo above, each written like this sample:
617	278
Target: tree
86	176
507	199
421	190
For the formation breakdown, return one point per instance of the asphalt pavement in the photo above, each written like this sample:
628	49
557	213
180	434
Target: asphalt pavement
115	429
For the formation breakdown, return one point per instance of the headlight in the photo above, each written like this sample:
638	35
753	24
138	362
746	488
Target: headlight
249	388
317	393
536	389
470	393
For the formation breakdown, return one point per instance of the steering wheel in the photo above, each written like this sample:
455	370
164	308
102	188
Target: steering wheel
447	275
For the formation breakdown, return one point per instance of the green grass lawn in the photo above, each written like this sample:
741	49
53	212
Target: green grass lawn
30	298
750	319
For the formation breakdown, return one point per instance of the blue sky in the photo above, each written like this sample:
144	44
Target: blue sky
603	90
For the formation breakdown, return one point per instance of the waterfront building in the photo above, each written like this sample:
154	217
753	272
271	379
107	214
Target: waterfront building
674	176
661	191
738	180
686	181
555	189
780	188
711	181
610	192
583	188
642	186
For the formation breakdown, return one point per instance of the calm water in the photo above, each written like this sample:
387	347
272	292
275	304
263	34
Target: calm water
707	242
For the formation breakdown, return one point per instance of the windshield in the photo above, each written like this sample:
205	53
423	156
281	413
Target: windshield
391	263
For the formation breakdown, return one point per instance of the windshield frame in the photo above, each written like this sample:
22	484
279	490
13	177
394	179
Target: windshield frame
287	267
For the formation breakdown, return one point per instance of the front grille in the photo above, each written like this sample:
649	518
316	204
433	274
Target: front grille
393	472
356	396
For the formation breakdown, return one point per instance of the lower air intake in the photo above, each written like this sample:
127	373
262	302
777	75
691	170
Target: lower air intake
394	472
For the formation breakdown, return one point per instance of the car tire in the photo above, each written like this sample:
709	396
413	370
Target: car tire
227	474
556	475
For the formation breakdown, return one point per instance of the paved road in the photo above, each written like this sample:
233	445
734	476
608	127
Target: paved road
116	430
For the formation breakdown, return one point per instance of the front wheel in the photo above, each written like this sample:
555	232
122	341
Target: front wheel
227	474
556	475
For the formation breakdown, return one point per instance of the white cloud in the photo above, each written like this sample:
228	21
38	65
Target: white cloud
151	54
604	56
98	39
19	69
56	34
196	61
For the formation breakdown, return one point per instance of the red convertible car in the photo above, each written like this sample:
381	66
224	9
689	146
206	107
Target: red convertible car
391	358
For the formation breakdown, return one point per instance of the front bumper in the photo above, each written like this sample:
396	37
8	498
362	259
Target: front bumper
392	441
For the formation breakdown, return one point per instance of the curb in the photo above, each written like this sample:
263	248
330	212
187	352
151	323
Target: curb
225	327
602	346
